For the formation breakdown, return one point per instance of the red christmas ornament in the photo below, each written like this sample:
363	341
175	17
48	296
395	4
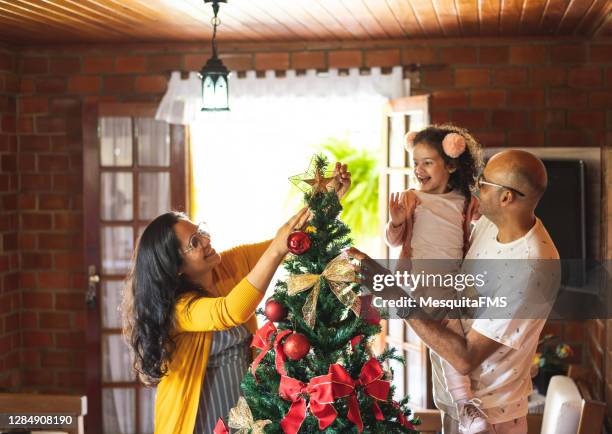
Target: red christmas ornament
298	242
275	311
296	346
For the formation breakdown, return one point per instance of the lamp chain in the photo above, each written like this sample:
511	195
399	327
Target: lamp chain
215	22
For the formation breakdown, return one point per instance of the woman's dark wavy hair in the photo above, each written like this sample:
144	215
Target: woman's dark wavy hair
468	164
150	295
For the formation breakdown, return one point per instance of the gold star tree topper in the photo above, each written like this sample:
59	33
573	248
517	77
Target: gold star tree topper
315	178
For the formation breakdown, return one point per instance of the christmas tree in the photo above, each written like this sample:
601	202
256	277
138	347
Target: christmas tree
315	371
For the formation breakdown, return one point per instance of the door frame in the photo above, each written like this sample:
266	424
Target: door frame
179	186
403	106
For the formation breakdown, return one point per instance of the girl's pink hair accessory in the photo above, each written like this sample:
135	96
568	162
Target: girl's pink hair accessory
453	145
409	140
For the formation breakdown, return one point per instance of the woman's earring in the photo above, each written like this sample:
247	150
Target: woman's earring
452	170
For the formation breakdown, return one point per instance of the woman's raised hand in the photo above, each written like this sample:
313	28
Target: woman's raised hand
342	179
397	210
261	275
295	223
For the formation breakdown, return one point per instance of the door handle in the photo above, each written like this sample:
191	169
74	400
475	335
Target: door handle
92	283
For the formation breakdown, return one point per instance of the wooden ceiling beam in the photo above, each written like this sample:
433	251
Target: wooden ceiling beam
320	19
427	17
245	11
303	31
510	16
600	17
592	14
575	11
377	17
533	11
202	14
382	12
47	32
264	21
406	17
128	21
49	16
448	17
14	27
94	11
260	11
468	17
552	16
489	16
336	8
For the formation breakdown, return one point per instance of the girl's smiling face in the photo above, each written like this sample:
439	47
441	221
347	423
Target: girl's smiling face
430	169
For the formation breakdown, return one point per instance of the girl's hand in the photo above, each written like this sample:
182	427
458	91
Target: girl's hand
295	223
397	210
342	180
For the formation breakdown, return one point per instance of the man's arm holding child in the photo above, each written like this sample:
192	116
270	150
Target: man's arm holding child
464	353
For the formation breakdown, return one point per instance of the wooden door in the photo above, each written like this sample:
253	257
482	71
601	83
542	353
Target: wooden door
134	169
400	116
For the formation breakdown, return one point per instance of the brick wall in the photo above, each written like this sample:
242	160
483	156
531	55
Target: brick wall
10	303
544	92
50	222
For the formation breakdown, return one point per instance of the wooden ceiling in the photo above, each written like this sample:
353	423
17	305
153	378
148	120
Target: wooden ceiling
77	21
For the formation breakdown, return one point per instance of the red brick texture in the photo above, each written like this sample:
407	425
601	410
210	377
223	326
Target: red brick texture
545	92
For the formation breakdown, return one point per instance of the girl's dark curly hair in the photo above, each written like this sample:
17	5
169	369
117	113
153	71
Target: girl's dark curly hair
152	289
468	165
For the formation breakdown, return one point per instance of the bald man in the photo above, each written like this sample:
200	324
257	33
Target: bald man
497	352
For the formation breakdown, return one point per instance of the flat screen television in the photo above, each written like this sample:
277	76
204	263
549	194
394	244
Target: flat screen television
562	210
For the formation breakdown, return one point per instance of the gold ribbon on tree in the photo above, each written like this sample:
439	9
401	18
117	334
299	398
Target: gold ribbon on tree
338	274
241	418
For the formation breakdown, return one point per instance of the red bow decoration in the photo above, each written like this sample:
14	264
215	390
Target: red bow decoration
263	341
280	353
220	427
320	391
401	418
370	378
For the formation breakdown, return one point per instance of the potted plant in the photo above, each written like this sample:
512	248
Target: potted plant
550	360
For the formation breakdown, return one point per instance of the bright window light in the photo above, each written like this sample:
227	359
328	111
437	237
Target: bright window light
242	159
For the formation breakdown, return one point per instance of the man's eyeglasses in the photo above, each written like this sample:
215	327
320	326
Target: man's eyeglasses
480	181
195	240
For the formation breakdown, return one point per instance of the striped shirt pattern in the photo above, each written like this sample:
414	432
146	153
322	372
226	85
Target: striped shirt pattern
227	364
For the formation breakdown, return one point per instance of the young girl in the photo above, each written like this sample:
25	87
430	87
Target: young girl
434	223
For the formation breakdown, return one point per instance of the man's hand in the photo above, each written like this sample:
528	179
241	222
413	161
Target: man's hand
367	267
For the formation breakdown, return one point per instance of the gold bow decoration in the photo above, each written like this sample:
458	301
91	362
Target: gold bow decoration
241	418
338	274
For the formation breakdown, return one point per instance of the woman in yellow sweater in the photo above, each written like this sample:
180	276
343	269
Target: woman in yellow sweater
188	315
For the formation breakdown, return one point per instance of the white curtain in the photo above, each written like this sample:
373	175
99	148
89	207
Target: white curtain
242	158
182	101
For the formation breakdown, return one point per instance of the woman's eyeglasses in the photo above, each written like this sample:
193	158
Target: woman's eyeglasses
195	240
480	181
